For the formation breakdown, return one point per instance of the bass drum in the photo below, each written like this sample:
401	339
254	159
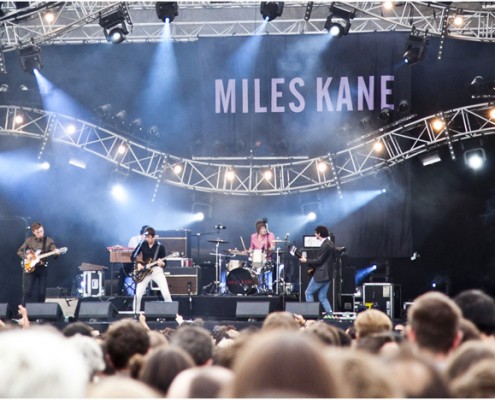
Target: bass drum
242	281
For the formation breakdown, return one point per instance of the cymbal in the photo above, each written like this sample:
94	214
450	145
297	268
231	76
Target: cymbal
236	252
220	241
278	241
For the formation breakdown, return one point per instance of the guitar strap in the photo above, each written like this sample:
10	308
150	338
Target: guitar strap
43	250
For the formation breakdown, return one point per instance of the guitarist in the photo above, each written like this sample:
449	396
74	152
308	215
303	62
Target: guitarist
43	244
151	251
322	267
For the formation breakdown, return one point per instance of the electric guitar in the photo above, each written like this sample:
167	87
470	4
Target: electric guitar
34	258
139	274
295	252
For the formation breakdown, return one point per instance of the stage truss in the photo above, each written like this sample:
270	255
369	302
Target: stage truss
289	175
77	22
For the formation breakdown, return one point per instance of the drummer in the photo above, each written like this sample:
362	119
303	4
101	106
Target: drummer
262	239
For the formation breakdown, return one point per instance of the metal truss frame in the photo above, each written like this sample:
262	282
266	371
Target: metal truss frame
77	22
289	175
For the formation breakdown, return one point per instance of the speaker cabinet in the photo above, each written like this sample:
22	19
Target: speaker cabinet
96	310
5	311
176	241
252	309
44	311
307	310
68	305
161	309
385	297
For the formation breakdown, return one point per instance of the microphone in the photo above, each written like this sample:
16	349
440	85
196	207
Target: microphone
287	236
220	227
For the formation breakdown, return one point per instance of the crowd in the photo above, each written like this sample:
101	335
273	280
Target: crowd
445	349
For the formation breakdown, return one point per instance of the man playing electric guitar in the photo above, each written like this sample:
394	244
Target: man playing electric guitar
154	253
35	277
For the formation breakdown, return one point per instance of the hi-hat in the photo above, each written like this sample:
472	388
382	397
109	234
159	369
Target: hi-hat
235	252
220	241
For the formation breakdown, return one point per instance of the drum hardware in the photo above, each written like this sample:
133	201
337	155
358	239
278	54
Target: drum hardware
218	258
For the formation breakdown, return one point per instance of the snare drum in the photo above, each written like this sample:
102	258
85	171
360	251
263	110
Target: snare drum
258	259
242	281
234	264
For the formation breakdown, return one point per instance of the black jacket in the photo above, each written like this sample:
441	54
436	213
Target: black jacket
324	262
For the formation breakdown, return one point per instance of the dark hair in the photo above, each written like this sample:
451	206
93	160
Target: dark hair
143	229
479	308
261	223
322	230
150	231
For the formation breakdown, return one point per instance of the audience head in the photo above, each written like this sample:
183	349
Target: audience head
467	355
433	323
40	362
75	328
123	339
121	386
479	308
201	382
280	320
162	365
370	322
288	362
196	341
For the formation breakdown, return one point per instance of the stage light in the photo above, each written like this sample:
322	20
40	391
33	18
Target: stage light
403	106
322	166
4	88
268	174
122	149
458	21
136	126
3	69
114	24
153	131
491	113
481	88
30	57
438	124
338	22
45	165
23	88
230	174
385	114
178	168
77	163
120	118
429	159
71	129
311	216
475	158
378	146
202	208
19	119
199	216
416	45
49	17
271	9
166	11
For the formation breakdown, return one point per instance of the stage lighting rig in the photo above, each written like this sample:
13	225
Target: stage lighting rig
166	11
271	9
115	23
30	57
338	22
416	45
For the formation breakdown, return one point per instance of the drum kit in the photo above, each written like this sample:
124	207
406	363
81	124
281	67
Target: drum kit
246	273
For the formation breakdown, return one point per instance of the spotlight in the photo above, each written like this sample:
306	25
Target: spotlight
438	124
45	165
378	146
114	25
271	9
153	131
136	126
311	216
338	22
4	88
416	46
403	106
385	114
3	69
480	88
118	192
30	57
230	174
103	112
311	210
431	158
475	158
71	129
177	168
166	11
268	174
121	117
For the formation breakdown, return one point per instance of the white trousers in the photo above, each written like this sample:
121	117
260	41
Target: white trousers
156	276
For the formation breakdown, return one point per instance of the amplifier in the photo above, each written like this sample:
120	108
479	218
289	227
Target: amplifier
176	241
385	297
180	280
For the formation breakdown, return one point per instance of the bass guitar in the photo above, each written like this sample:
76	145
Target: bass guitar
33	258
295	252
